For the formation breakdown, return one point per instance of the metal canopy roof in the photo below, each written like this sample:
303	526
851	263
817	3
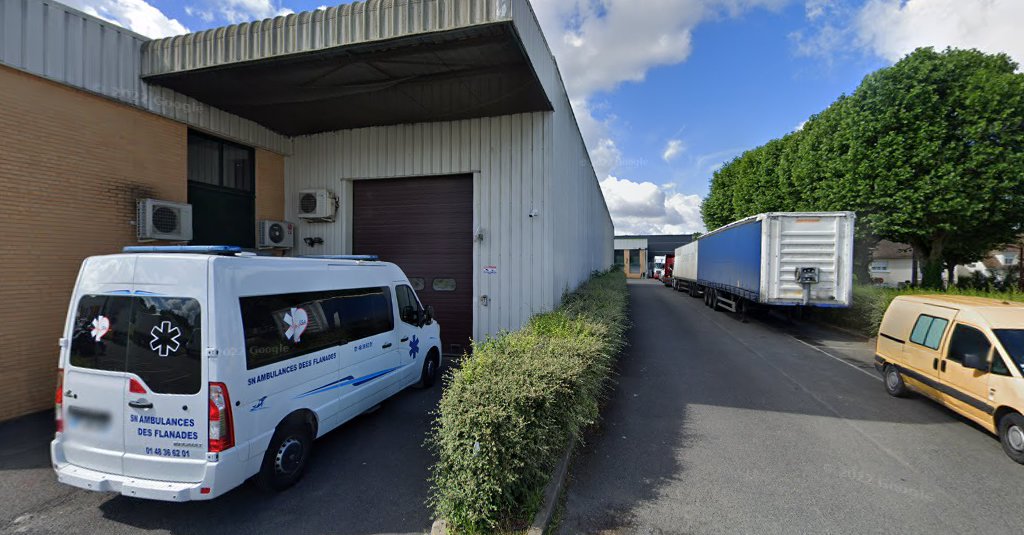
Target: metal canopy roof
473	66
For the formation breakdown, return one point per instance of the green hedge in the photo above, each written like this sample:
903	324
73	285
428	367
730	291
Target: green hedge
870	303
509	410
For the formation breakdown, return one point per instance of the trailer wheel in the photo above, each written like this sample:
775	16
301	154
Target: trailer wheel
714	300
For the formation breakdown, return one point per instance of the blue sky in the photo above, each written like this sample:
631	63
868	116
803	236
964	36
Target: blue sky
666	91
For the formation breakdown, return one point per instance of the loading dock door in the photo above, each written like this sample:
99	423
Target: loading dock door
425	225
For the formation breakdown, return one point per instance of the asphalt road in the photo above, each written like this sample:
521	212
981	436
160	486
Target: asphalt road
719	426
368	476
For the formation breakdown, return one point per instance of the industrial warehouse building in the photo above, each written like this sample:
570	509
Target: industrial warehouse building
434	133
635	253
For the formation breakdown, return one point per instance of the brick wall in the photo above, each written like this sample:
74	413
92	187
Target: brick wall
72	166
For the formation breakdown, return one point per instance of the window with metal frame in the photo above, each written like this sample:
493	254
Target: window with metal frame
217	162
928	331
634	261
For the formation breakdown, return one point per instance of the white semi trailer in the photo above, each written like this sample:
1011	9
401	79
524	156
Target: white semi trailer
776	259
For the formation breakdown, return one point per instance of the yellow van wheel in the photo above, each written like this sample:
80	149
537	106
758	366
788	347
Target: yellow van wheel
1011	435
894	384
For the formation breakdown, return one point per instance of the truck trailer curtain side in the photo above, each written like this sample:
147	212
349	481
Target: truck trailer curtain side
779	258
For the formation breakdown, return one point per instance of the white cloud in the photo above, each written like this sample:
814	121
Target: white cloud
816	9
673	149
600	44
136	15
592	129
605	157
204	15
646	208
236	11
893	28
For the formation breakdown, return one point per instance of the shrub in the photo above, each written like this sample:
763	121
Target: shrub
509	410
870	303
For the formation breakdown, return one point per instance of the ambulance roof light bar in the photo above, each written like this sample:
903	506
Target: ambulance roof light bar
361	257
192	249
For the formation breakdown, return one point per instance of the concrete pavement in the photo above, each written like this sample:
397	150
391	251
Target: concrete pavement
719	426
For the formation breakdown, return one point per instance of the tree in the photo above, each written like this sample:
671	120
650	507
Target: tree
928	152
936	154
716	209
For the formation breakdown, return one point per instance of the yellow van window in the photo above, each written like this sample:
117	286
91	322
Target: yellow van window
967	341
928	331
935	332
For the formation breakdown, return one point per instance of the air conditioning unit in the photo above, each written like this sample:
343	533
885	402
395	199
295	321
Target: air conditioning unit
275	234
164	220
317	205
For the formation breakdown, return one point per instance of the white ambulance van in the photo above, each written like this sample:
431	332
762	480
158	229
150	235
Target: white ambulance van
186	370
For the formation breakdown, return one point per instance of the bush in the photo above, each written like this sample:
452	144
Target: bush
508	412
870	303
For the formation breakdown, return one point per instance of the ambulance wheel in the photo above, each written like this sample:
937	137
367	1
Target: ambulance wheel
1011	435
431	367
894	384
286	458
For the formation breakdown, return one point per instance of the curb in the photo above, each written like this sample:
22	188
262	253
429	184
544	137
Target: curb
844	330
542	519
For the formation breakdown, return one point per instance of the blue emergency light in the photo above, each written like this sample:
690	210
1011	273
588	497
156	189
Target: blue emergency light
194	249
364	257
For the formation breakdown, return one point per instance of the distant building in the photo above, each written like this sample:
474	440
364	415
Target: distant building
892	264
631	254
636	252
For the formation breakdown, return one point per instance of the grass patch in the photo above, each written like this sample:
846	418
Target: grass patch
509	410
870	303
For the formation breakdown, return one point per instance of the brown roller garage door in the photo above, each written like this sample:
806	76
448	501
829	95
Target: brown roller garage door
425	225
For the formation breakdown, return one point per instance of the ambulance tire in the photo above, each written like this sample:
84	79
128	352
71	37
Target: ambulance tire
431	369
286	457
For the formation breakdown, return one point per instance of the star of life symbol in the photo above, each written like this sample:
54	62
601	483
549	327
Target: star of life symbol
297	321
165	338
414	346
100	327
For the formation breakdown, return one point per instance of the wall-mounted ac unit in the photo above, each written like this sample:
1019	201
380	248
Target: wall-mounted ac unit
164	220
275	234
317	205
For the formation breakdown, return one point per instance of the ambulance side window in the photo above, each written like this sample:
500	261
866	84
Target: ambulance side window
284	326
407	304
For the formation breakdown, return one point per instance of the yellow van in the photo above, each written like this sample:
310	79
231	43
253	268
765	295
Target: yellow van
964	352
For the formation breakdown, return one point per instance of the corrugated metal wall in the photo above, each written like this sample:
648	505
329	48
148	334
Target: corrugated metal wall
506	155
315	30
582	233
54	41
521	164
